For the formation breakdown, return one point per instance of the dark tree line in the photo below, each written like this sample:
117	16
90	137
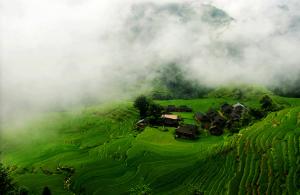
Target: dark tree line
142	104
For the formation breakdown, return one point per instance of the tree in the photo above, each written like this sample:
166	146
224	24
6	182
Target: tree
23	190
238	94
154	113
142	104
267	104
46	191
6	183
155	110
256	113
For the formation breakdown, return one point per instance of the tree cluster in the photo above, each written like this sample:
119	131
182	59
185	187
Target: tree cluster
235	117
141	189
6	183
148	109
227	117
268	105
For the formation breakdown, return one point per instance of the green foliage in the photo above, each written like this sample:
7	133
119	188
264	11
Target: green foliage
148	109
268	105
46	191
69	139
6	183
257	113
195	190
23	190
155	110
141	189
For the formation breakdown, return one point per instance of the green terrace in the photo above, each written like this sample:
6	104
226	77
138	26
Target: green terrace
97	150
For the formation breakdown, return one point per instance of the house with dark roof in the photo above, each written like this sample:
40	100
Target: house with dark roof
226	109
219	121
217	125
202	119
186	131
211	114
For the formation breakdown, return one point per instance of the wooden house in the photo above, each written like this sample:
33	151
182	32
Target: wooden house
187	132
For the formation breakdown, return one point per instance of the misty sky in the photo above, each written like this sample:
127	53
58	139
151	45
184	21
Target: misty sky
61	52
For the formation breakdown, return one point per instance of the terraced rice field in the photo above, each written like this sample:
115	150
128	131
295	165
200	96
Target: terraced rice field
109	157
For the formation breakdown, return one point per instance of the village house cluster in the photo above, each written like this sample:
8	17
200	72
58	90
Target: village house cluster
229	116
215	121
168	119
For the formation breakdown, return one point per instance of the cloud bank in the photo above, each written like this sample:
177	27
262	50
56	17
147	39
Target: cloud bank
57	53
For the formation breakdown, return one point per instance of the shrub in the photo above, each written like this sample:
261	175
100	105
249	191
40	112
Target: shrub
268	105
141	189
155	110
23	190
6	183
46	191
256	113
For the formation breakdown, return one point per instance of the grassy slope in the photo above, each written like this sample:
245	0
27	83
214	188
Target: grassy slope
109	158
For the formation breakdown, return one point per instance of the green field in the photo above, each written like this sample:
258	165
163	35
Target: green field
110	157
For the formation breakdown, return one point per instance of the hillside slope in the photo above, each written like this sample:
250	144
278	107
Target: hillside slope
110	158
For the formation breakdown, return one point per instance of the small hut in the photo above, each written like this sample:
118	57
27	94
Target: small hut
141	124
237	112
187	132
